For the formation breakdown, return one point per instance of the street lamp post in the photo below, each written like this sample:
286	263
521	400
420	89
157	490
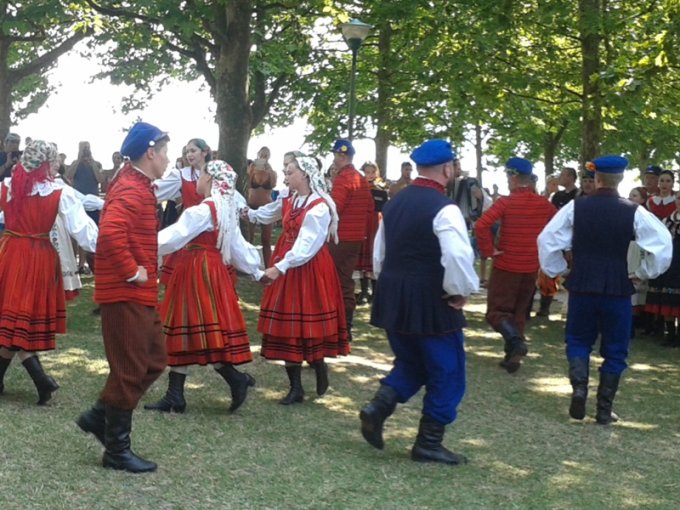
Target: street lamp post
354	34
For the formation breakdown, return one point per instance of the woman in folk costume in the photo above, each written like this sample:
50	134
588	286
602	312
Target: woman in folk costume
203	323
302	316
32	301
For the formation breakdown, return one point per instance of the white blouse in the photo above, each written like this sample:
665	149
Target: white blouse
77	223
198	219
312	235
169	187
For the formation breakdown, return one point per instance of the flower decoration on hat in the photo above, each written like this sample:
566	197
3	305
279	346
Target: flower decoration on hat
590	166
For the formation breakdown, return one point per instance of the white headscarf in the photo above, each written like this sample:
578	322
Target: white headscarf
317	183
222	193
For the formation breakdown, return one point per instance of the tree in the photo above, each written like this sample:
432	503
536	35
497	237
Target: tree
248	52
33	35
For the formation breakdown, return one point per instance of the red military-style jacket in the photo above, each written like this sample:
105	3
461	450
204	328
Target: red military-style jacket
352	196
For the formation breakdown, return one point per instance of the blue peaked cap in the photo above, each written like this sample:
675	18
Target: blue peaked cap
433	152
609	164
140	137
520	165
343	147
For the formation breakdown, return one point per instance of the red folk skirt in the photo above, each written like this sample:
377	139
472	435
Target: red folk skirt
302	317
202	320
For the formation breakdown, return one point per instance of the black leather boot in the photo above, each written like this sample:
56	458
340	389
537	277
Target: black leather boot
578	377
428	446
349	314
238	382
544	310
173	400
362	297
118	454
670	337
296	394
4	364
321	369
93	421
45	384
515	346
374	414
606	391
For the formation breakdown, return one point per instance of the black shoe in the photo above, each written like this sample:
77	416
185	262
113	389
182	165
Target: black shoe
238	382
173	400
374	414
4	364
118	454
578	377
606	391
428	446
321	369
93	421
45	384
515	346
515	356
296	394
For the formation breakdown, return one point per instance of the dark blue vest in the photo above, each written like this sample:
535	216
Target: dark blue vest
603	229
408	296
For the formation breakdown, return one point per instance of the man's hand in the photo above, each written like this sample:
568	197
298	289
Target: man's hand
496	252
143	275
457	302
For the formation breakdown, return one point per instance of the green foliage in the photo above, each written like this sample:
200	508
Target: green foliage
32	37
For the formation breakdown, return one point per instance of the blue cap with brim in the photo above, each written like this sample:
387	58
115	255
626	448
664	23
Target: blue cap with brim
343	147
138	140
654	170
608	165
520	165
433	152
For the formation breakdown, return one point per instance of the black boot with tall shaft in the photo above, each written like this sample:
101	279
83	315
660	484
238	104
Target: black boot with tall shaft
296	394
374	414
45	384
4	364
428	446
606	391
93	421
173	400
238	382
578	377
118	454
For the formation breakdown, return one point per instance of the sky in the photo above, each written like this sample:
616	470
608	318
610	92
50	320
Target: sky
82	109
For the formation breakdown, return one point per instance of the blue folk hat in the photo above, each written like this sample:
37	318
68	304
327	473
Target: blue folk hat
520	165
608	165
343	146
433	152
140	137
654	170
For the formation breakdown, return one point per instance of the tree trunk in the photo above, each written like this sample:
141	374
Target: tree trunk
383	134
552	142
590	21
478	151
234	116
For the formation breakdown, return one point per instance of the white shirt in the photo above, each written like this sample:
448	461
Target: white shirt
198	219
651	235
311	237
460	277
169	187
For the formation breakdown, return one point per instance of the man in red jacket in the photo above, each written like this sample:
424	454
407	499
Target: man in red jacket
522	214
352	196
126	288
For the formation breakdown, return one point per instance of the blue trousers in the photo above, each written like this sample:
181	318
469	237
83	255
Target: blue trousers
611	317
436	362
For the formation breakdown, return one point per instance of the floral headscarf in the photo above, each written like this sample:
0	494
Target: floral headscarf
317	183
33	168
222	193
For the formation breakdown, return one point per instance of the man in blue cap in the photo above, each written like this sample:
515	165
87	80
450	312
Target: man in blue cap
522	216
425	269
354	202
597	231
651	179
126	288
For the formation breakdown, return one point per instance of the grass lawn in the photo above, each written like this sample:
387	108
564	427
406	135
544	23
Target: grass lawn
524	451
